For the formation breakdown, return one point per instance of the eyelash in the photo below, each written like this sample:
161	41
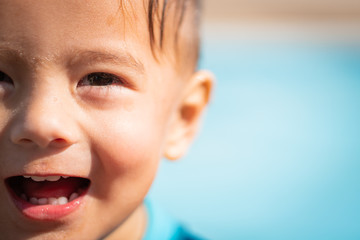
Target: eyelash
92	79
101	79
5	78
95	84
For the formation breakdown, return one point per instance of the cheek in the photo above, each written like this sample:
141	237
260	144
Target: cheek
126	153
130	141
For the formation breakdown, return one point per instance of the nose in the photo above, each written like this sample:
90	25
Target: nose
43	122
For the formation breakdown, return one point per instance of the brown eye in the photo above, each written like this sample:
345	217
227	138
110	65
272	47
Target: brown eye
100	79
5	78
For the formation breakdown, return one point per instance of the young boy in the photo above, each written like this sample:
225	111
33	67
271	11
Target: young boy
92	95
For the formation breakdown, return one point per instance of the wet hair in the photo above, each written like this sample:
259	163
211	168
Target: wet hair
183	12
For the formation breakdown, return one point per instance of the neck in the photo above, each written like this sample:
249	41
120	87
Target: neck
133	228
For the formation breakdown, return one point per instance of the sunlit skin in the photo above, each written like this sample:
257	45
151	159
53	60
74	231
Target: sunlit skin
60	116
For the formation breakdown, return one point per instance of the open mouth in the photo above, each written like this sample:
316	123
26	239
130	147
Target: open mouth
49	190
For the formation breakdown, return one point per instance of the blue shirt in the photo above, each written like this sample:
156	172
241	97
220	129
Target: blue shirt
161	226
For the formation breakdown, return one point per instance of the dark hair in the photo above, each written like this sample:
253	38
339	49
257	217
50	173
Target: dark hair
157	13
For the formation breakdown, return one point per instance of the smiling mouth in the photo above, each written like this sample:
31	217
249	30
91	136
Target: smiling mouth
49	190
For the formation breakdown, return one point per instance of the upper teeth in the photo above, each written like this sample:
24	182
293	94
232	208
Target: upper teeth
48	178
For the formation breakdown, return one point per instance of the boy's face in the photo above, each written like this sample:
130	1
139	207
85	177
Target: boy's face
81	96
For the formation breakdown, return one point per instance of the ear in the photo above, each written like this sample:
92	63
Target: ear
186	122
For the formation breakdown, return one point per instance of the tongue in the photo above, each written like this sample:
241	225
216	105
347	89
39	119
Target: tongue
46	189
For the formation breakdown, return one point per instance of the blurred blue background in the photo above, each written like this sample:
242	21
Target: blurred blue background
279	153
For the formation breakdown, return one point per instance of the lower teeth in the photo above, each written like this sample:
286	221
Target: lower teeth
51	200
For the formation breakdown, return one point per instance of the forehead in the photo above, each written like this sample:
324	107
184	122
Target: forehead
51	24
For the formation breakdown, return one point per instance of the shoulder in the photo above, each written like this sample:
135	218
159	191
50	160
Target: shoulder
161	226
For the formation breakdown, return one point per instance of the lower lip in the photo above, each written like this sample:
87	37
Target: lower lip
47	212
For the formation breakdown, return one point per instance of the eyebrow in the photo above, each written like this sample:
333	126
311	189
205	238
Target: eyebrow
82	56
121	58
9	52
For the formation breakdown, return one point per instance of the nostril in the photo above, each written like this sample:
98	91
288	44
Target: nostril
25	141
59	142
28	142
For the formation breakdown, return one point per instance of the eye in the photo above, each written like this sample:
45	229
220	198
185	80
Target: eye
101	79
5	78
